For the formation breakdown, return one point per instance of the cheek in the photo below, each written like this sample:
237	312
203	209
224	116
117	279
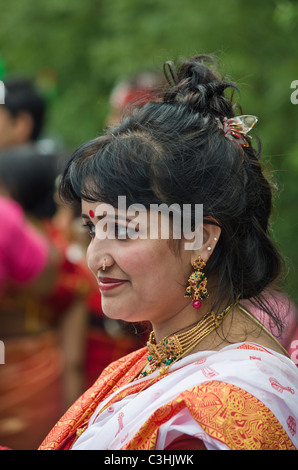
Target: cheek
135	262
148	255
152	271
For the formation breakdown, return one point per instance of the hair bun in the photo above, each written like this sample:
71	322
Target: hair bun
198	86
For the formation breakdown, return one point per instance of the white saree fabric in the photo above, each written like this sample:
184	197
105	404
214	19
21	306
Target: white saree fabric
270	377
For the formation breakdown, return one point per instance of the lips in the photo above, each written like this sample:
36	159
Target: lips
108	283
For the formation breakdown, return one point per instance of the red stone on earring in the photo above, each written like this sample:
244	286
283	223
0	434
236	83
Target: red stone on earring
91	213
196	304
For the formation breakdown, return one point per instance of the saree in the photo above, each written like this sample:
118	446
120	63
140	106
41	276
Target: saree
243	397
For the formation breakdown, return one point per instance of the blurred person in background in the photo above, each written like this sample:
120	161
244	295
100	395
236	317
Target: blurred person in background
35	324
43	330
23	113
140	88
27	266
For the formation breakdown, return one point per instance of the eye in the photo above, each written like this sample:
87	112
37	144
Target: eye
90	227
121	232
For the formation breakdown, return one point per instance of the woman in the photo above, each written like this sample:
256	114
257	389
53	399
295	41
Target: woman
211	377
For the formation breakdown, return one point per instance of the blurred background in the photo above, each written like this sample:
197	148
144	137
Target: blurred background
76	52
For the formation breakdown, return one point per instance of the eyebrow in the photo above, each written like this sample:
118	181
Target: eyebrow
99	217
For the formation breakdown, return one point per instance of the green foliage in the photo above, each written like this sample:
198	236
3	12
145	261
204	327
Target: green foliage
77	51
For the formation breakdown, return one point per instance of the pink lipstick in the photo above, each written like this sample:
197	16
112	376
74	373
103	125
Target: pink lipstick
108	283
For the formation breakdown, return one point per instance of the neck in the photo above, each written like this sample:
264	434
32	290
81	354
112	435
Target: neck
185	318
174	347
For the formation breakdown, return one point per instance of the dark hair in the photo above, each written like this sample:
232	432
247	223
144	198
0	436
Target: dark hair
22	95
30	178
173	151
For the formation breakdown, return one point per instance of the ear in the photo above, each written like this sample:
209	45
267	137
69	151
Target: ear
211	234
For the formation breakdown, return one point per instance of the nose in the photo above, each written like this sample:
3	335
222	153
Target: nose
98	259
107	262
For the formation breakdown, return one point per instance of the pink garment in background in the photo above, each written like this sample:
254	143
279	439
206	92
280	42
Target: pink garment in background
288	313
23	251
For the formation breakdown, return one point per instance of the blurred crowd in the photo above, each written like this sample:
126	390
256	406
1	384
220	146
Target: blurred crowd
56	338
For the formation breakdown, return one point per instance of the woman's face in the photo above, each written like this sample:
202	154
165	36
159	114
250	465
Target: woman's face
144	279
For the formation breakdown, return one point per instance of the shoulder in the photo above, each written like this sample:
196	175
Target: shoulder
243	397
229	415
247	364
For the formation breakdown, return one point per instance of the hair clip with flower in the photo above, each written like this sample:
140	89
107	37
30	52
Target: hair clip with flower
237	128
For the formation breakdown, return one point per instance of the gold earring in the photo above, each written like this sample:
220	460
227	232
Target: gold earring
197	282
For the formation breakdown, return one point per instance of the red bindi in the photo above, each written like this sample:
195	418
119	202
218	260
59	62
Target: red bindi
91	213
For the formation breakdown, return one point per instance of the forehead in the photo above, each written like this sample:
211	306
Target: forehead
86	206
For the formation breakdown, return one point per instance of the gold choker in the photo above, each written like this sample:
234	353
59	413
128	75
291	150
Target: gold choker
172	348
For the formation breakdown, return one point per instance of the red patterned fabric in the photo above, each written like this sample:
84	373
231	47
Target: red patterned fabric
225	412
112	378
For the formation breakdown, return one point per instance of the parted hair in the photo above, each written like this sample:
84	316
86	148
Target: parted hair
173	151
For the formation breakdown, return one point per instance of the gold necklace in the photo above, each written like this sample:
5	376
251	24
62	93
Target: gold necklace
173	347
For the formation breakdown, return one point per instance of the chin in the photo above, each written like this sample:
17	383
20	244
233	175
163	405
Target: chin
118	311
115	312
